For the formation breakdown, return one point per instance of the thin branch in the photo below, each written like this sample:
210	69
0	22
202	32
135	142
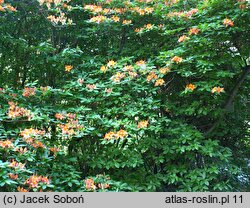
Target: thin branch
230	99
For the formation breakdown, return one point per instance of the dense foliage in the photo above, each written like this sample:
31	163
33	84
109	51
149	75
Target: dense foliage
109	95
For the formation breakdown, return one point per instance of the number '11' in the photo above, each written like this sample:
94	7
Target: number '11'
238	199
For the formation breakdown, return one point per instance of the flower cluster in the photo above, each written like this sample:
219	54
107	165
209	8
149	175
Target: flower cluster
176	59
6	7
15	164
29	91
18	112
142	124
91	86
183	14
34	180
98	19
227	22
6	144
13	176
183	38
151	76
117	77
191	87
57	5
217	90
71	125
100	182
68	68
164	70
28	133
116	135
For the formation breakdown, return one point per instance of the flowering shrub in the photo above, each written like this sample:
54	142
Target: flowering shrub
124	95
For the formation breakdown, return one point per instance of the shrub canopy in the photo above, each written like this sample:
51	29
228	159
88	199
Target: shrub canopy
143	95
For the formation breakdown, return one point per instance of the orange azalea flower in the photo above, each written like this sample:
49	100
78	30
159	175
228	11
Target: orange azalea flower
103	186
137	30
108	90
110	135
217	90
121	133
33	181
19	189
90	184
13	176
111	63
159	82
183	38
115	18
228	22
38	144
126	22
91	86
141	12
117	77
68	68
1	1
132	74
21	150
149	10
26	133
54	149
194	31
140	63
116	135
29	91
103	68
15	111
148	26
191	87
6	144
128	68
142	124
59	116
176	59
164	70
2	9
151	76
10	8
44	180
98	19
15	164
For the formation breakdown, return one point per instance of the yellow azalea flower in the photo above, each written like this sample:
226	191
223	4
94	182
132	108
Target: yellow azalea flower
183	38
151	76
142	124
68	68
159	82
194	31
228	22
217	90
191	87
140	63
115	18
164	70
126	22
128	68
111	63
104	68
148	26
137	30
176	59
